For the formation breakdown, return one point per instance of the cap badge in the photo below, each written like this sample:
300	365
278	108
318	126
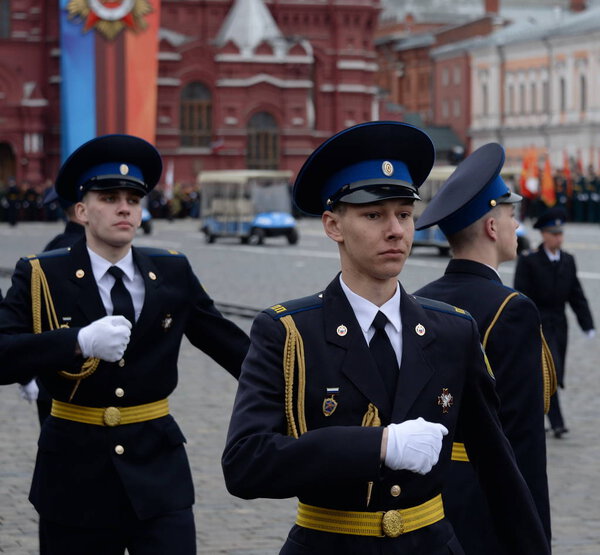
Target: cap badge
124	169
387	168
445	400
420	329
342	330
329	403
493	203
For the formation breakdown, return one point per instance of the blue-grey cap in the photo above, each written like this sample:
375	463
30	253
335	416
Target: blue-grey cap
365	163
473	189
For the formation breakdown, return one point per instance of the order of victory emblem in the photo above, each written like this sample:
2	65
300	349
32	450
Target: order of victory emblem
110	17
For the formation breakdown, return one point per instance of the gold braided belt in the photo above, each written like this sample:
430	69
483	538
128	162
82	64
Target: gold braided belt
389	524
110	416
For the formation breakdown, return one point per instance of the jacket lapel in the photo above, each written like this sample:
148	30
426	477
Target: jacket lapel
87	297
356	362
415	370
152	281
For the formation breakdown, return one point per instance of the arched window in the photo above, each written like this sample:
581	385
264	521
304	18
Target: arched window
263	142
195	115
4	19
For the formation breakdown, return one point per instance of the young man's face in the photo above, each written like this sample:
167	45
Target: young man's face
375	239
552	241
507	236
111	217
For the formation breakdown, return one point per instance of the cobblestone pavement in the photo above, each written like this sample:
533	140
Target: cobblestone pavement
260	276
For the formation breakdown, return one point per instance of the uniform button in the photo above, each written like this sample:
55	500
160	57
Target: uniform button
119	449
119	392
122	362
395	490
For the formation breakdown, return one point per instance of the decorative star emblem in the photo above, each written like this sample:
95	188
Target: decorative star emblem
110	17
445	400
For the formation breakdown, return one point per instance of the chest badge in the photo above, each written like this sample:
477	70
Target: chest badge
445	400
342	330
329	403
420	329
167	322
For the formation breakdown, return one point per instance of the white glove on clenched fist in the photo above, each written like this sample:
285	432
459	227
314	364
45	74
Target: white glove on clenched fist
414	445
106	338
29	391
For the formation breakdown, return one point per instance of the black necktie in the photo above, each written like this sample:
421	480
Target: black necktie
121	299
384	354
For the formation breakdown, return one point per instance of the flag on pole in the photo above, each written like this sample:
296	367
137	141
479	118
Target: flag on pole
109	69
548	192
567	174
529	181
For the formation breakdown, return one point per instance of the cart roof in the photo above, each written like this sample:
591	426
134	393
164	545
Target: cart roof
241	176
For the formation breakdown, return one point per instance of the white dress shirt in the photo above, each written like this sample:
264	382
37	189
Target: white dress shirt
365	312
133	280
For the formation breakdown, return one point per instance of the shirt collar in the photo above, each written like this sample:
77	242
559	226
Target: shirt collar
365	311
553	257
100	265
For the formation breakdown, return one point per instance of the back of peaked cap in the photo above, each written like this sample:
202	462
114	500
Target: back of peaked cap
109	162
473	189
365	163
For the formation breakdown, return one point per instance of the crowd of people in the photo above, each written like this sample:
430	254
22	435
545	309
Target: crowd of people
29	203
576	192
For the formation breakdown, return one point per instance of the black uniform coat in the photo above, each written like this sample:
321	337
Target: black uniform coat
550	286
79	479
72	233
514	352
331	464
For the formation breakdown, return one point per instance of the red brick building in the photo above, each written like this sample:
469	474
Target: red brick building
242	83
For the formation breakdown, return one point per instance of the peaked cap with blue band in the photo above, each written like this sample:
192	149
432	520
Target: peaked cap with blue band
365	163
109	162
552	220
473	189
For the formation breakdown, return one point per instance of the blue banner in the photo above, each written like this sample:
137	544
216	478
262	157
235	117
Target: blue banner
78	83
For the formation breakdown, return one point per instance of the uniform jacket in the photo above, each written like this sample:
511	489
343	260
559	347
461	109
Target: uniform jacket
551	286
72	233
79	479
332	463
514	351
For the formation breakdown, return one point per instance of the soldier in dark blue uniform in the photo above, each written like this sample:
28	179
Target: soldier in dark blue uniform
101	324
475	210
549	277
74	230
350	399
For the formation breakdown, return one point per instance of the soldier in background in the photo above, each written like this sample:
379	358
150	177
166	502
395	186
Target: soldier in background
475	210
548	276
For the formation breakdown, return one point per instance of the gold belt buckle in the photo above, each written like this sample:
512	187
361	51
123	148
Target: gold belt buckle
112	416
392	524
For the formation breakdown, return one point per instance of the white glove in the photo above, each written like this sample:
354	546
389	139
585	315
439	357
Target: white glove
106	338
414	445
590	334
29	391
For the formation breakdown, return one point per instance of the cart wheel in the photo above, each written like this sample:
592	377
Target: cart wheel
209	238
292	236
147	227
256	236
